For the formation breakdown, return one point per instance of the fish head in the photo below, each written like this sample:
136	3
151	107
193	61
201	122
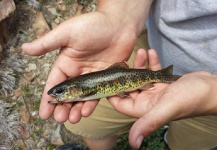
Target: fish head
63	93
57	90
59	93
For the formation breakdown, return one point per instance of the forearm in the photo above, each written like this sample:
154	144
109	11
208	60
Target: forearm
132	13
212	97
203	90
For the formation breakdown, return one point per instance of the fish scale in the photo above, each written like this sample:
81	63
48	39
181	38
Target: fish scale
118	79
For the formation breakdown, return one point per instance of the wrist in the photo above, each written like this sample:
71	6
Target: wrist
130	14
209	98
213	94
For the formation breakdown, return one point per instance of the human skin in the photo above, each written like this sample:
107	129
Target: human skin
85	48
192	95
88	43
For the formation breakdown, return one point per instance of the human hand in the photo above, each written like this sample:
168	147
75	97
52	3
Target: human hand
192	95
88	43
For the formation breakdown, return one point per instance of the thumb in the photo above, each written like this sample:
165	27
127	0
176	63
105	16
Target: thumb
150	122
53	40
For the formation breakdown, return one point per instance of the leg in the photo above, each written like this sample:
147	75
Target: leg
97	144
195	133
102	127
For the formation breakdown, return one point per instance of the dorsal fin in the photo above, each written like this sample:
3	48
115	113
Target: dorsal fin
122	65
168	70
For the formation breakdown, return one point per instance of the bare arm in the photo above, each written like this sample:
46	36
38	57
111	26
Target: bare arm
88	42
193	95
133	13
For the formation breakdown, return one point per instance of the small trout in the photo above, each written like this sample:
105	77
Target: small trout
118	79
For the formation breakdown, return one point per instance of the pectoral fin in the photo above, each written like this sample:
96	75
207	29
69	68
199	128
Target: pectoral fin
148	86
123	94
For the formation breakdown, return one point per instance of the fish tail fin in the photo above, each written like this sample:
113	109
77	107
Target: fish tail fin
168	74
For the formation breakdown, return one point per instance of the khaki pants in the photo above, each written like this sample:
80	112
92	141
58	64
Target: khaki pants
198	133
190	134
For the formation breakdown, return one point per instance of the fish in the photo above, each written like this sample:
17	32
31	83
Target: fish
118	79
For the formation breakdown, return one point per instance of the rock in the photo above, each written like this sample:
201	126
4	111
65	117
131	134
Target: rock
41	143
53	11
24	114
42	82
18	92
12	49
34	114
53	25
30	76
33	3
20	144
40	25
79	10
57	21
23	132
25	61
56	138
47	133
7	18
7	7
30	67
74	8
24	81
62	7
1	54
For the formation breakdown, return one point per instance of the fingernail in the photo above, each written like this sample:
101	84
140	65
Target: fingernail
139	141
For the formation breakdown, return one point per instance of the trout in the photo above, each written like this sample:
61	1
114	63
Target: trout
118	79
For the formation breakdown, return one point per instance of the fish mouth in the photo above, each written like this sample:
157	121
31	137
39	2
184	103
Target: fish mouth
54	101
57	93
57	98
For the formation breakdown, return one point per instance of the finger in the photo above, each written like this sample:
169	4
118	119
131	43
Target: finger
49	42
123	105
56	76
89	107
140	59
75	112
61	113
150	122
154	63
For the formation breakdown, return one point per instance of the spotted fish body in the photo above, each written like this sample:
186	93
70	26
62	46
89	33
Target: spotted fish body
118	79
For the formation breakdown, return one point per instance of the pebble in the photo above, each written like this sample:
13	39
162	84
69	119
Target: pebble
53	11
25	61
34	114
18	92
30	76
30	67
62	7
57	21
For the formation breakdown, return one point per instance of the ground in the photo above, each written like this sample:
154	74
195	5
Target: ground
25	77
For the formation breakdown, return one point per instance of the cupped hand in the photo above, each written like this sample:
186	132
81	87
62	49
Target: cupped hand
192	95
87	43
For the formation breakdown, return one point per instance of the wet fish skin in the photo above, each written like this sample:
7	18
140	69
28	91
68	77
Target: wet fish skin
116	80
